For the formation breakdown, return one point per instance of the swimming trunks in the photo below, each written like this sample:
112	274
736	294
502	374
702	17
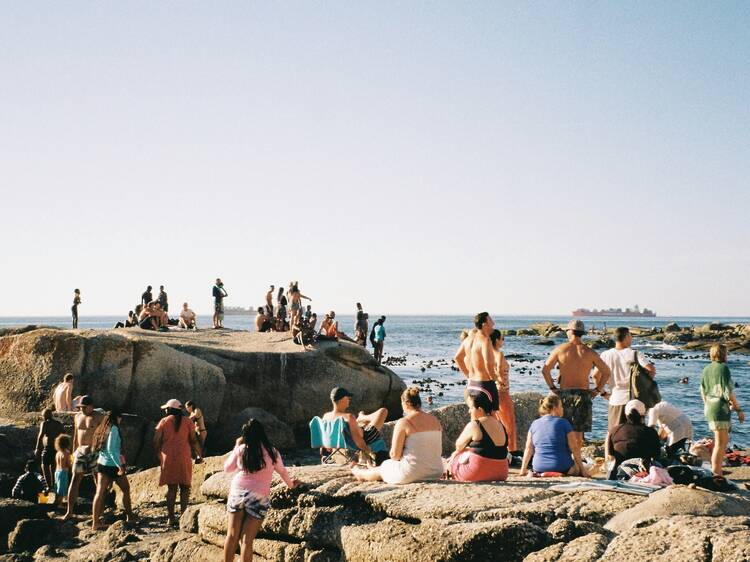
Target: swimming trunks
577	408
295	306
62	479
48	455
84	462
489	388
219	308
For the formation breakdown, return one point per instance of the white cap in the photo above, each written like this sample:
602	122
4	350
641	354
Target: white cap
636	405
173	403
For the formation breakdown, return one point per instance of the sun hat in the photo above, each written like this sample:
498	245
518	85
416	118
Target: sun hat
339	392
576	325
636	405
172	404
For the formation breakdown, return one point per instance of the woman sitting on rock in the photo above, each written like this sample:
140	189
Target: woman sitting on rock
482	448
416	447
550	442
632	439
253	462
717	392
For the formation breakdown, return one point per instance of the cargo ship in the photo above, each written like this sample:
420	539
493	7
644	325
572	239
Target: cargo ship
238	311
634	312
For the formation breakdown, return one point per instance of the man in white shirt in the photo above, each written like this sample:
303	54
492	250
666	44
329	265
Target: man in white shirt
674	426
187	318
619	361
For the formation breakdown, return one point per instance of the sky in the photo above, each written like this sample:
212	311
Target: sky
419	157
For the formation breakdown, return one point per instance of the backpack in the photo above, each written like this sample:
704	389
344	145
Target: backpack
642	386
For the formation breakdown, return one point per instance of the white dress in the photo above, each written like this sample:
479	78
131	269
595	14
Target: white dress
421	459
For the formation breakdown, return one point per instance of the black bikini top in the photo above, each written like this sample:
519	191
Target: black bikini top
486	448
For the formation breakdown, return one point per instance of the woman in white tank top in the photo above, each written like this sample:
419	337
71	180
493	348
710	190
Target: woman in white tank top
416	447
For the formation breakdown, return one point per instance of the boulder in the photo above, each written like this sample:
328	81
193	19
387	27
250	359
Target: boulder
685	537
672	327
30	534
224	371
392	540
680	500
588	548
12	511
546	328
453	419
280	434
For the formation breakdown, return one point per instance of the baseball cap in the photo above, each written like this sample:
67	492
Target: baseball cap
84	400
576	325
173	403
339	392
636	405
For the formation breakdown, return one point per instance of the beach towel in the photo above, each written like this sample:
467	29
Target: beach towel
606	486
656	476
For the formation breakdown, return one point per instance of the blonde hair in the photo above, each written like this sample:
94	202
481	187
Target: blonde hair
411	397
548	404
464	334
718	352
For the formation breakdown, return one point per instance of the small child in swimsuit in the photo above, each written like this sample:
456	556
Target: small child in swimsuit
62	467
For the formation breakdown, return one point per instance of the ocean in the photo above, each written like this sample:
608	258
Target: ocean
423	340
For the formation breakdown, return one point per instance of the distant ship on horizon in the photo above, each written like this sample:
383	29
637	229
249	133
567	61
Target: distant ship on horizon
238	311
634	312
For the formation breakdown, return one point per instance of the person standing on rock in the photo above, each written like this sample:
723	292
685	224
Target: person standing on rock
85	425
378	338
717	392
62	397
269	302
281	311
506	411
196	416
174	438
147	296
476	359
296	303
162	298
575	360
361	327
619	360
252	461
74	308
49	429
219	293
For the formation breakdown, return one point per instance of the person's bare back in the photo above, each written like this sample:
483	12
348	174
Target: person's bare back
481	358
575	361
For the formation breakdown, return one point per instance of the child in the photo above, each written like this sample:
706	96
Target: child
253	460
62	467
28	485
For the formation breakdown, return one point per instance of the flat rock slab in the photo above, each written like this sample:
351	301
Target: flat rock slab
680	500
684	539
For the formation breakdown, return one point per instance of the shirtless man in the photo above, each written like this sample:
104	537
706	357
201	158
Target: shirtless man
62	397
49	429
476	359
269	302
85	424
363	428
575	360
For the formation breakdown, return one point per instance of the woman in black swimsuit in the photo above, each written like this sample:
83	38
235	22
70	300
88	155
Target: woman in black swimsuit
74	308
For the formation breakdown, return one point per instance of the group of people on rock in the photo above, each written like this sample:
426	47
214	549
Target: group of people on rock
96	448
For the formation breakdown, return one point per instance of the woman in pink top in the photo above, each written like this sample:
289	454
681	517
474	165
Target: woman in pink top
253	462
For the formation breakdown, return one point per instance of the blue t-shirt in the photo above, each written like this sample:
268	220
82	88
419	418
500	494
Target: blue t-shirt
379	333
110	453
549	434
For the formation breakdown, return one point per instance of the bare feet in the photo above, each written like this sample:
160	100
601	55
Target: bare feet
97	525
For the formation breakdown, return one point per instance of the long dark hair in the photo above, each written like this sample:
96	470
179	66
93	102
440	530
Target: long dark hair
102	432
177	413
255	439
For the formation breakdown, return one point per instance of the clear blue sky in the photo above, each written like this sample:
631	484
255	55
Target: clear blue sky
441	157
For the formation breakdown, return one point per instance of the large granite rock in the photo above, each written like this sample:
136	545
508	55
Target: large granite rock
11	512
680	500
225	371
454	418
223	438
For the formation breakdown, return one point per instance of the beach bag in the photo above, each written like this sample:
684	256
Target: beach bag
642	386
